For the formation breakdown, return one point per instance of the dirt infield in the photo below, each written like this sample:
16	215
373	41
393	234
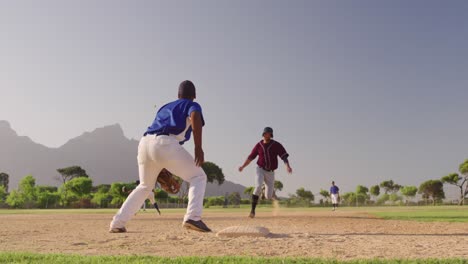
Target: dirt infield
341	234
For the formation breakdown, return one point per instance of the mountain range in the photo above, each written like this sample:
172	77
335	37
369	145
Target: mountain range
105	153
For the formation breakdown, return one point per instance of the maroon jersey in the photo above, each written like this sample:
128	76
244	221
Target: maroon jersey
268	154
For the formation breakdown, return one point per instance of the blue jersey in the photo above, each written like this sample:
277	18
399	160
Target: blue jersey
334	189
174	119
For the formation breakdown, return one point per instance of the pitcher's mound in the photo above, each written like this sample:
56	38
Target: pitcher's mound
250	231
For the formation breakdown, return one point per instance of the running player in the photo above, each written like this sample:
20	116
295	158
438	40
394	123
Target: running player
268	151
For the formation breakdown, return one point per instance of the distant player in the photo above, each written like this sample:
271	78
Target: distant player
268	151
160	147
150	197
335	195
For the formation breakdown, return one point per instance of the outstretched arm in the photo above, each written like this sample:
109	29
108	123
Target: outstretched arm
288	166
249	159
283	154
246	163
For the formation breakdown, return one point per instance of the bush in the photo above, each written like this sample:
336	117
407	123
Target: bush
161	194
383	199
84	202
15	199
66	197
395	198
3	194
25	196
214	200
101	199
43	188
118	196
47	199
101	188
296	202
245	201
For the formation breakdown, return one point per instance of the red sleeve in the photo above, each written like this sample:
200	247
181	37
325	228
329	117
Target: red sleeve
282	152
254	153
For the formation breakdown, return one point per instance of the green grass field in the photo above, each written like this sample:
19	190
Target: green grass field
426	214
413	213
61	258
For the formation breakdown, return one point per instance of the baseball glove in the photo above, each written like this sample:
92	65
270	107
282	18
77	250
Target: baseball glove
168	182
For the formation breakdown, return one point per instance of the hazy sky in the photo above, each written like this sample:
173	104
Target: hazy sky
357	91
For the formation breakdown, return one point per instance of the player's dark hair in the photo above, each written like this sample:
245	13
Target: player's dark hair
187	90
268	130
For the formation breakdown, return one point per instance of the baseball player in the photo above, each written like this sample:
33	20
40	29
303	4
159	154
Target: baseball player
150	198
152	201
161	147
335	195
150	195
268	151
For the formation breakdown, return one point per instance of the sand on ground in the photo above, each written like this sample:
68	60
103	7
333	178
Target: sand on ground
340	234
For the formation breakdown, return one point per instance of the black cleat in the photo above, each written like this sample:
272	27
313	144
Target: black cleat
118	230
196	225
252	214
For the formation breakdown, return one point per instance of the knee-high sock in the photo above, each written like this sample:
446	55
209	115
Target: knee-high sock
254	202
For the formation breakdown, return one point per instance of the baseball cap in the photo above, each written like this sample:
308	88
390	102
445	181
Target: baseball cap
268	130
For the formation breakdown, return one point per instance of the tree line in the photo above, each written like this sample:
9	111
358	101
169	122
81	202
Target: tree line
76	190
390	192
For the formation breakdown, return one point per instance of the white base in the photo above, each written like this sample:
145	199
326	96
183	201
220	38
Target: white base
238	231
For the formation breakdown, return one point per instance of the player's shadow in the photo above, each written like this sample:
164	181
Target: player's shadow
272	235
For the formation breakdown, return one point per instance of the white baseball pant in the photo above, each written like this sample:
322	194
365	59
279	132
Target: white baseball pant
154	154
334	198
